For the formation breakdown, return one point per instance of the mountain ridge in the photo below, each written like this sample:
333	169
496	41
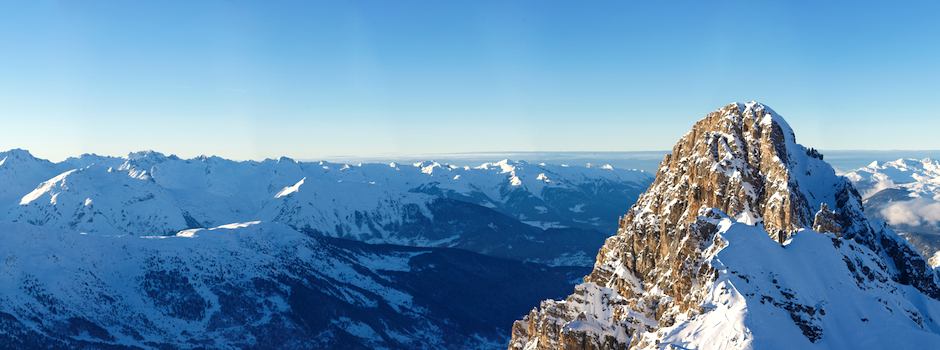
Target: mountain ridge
507	208
739	169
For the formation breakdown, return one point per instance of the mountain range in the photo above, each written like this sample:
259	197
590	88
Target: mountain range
905	193
154	251
554	214
741	239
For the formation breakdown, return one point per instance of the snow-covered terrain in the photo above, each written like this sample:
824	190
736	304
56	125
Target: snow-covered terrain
255	285
919	176
154	251
555	214
816	291
745	240
905	193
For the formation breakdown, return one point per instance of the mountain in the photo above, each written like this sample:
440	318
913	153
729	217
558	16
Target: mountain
745	240
155	251
98	200
255	285
555	214
20	172
905	193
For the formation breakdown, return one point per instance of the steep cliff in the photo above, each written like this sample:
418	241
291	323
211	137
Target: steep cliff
735	245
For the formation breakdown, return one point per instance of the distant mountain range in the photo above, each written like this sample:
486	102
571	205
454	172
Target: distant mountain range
905	193
154	251
554	214
841	160
744	239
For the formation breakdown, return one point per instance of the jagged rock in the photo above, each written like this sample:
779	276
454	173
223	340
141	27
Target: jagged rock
826	220
738	169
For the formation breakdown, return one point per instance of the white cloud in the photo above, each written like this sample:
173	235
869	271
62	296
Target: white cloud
913	212
878	183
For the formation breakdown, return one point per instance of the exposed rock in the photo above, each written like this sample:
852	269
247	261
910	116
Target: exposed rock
742	162
826	220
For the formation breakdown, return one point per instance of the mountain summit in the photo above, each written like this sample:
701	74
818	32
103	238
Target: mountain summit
745	239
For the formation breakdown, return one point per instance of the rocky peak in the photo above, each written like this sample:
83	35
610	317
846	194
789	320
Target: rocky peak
743	159
148	155
740	161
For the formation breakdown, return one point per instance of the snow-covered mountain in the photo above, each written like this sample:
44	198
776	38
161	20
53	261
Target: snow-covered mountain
154	251
20	172
555	214
745	240
921	177
255	285
905	193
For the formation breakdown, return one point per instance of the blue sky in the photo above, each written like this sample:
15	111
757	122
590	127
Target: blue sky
312	79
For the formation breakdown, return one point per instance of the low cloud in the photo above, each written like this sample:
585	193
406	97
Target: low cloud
914	212
875	185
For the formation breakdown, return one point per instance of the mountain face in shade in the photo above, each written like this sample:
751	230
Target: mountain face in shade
255	285
745	239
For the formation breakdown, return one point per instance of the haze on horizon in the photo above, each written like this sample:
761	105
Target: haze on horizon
317	79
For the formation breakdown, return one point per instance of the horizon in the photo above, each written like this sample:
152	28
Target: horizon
309	80
194	155
648	161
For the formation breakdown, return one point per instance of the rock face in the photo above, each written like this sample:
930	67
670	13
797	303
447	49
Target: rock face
739	169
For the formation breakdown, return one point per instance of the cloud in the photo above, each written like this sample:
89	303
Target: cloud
878	183
914	212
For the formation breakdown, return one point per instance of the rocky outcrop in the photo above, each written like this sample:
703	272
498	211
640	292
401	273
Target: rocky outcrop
741	161
826	220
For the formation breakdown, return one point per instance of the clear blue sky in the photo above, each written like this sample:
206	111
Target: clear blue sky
322	78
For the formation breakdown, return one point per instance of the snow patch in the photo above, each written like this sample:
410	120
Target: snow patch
290	189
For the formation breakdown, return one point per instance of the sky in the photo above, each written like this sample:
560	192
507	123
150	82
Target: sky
309	79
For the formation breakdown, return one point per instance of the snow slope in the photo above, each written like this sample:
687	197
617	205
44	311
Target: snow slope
817	291
20	173
254	285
